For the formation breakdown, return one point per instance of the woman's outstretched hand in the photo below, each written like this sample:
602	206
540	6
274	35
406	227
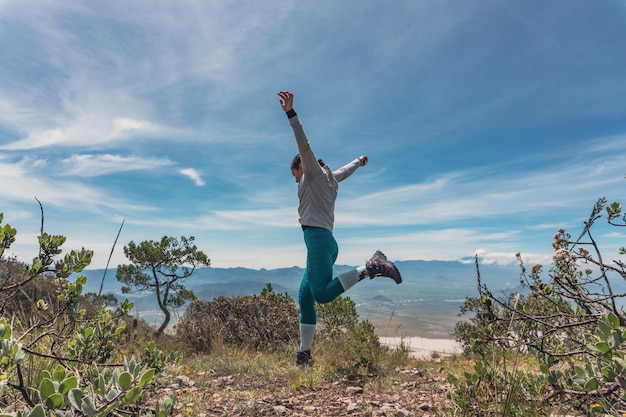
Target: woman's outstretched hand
363	160
286	100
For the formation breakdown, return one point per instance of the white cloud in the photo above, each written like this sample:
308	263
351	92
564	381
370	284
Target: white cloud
124	126
488	258
98	165
464	195
193	175
21	184
614	235
87	130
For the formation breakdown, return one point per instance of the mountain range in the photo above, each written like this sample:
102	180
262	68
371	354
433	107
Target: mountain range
425	304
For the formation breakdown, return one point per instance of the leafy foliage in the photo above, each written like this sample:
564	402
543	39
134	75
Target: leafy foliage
160	268
570	322
261	322
353	344
59	350
269	322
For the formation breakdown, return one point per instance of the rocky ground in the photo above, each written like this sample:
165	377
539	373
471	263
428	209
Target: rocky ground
414	392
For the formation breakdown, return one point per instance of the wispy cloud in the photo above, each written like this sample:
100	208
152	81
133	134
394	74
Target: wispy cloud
193	175
87	130
21	184
464	195
486	124
97	165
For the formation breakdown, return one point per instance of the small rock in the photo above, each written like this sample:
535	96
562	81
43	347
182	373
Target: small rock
184	381
352	406
354	390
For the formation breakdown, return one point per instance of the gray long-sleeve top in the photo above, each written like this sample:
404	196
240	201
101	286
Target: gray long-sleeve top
318	186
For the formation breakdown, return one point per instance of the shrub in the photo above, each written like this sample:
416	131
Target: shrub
261	322
349	344
59	350
570	323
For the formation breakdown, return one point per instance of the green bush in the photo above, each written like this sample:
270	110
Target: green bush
348	344
570	325
59	350
269	321
260	322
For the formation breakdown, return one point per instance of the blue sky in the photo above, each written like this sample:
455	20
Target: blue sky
488	124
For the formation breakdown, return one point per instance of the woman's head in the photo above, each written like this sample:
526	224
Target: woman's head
295	164
296	167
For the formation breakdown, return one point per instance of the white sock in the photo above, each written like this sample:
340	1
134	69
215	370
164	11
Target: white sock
348	279
307	331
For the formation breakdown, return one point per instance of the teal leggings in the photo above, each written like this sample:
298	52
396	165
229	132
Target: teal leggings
318	283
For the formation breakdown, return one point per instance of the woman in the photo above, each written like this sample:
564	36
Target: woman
317	191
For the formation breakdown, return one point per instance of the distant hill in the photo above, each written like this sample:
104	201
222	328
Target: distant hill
444	280
426	303
382	299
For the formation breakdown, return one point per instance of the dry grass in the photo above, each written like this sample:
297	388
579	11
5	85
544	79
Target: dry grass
243	383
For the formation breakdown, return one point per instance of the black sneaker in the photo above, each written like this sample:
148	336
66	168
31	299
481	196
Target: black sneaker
303	358
380	266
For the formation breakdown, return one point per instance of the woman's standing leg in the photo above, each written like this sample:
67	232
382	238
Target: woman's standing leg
308	318
316	285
